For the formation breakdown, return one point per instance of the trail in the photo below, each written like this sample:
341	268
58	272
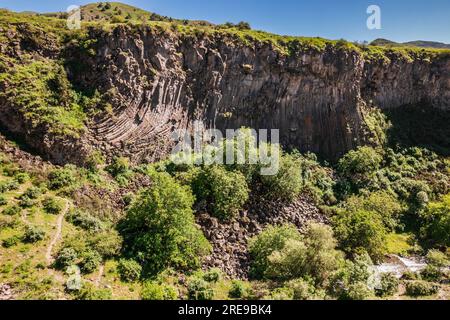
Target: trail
57	236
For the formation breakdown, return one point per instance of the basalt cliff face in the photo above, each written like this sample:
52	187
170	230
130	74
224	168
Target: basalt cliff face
159	81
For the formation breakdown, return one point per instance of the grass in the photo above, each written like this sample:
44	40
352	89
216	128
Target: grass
399	244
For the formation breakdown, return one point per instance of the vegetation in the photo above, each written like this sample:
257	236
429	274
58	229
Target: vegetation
159	229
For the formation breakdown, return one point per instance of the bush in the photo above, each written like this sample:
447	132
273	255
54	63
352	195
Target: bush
66	257
90	260
432	274
89	292
119	167
388	285
3	200
10	242
268	241
129	270
106	243
12	210
421	288
237	290
282	294
199	289
33	234
212	275
61	178
359	167
21	177
361	231
304	290
85	221
159	228
313	256
287	183
382	202
435	223
345	283
31	193
225	191
52	205
437	258
359	291
156	291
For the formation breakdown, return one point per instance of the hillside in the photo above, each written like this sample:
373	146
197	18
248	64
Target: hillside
420	44
92	206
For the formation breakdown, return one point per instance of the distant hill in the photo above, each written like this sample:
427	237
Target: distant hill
419	43
117	12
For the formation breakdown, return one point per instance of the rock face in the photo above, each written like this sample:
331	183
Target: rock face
162	82
157	81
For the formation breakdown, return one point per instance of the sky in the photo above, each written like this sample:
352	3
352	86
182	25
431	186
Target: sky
401	20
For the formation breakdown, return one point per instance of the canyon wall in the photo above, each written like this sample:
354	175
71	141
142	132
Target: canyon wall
159	81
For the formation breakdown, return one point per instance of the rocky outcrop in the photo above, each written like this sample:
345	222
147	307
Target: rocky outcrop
163	81
230	239
156	81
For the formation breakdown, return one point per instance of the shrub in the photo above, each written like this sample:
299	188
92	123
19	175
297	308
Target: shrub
437	258
89	292
106	243
61	178
156	291
159	228
26	203
237	290
388	285
359	166
431	273
359	231
129	270
12	210
21	177
66	257
282	294
345	282
304	290
31	193
313	256
33	234
225	191
3	200
421	288
199	289
212	275
435	223
90	260
262	246
287	183
85	221
119	166
359	291
382	202
52	205
410	275
10	242
8	222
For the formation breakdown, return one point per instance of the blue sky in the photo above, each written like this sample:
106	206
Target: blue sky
402	20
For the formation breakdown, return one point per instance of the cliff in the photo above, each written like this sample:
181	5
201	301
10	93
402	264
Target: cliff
153	79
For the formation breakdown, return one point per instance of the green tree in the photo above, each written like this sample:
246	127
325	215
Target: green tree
159	229
361	231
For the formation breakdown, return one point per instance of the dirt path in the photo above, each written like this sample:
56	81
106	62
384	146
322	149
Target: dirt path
57	236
